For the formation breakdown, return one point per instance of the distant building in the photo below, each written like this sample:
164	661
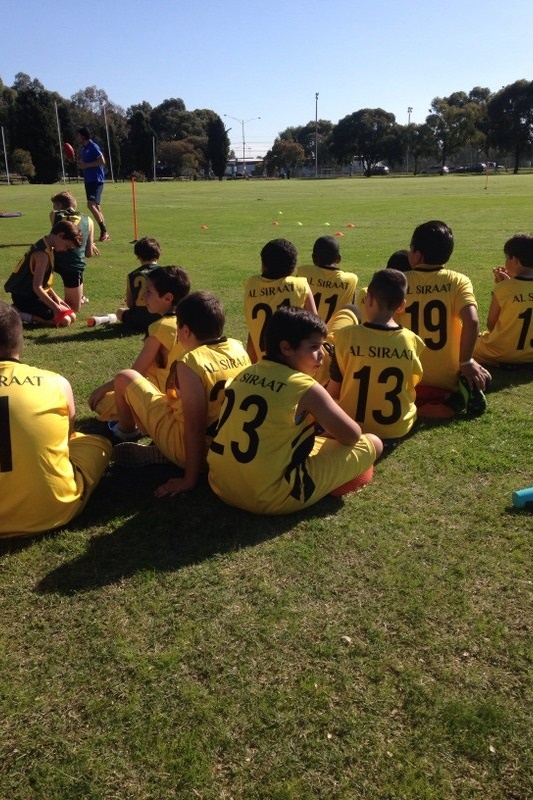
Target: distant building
236	168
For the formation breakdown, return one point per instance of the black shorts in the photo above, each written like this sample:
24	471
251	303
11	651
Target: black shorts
31	304
72	278
93	191
138	318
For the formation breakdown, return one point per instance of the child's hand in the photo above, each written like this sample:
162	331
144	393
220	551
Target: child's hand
500	274
173	487
96	396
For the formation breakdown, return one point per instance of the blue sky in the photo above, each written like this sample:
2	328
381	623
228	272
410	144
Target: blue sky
258	59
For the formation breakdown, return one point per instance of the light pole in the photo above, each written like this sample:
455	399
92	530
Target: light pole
242	123
409	112
316	134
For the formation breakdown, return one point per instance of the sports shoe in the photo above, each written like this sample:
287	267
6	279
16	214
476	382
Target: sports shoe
474	399
130	454
104	237
124	436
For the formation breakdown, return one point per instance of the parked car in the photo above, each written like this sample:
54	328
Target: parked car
379	169
480	167
436	169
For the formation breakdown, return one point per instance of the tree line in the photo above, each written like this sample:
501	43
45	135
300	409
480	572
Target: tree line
196	143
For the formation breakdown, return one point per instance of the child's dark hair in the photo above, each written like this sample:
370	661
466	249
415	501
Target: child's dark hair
85	132
388	287
69	231
434	239
147	249
278	257
326	251
292	325
11	336
520	246
170	279
203	313
399	260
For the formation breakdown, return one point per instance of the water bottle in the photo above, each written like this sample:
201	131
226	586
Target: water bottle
523	498
105	319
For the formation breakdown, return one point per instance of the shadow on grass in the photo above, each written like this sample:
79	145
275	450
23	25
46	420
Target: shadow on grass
100	333
146	533
509	376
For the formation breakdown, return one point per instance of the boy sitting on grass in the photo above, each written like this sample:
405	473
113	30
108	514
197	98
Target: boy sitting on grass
30	284
441	308
376	366
180	420
265	456
276	286
332	288
509	338
165	287
137	316
47	472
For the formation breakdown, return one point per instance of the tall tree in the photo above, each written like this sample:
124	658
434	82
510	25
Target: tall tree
35	128
217	146
139	146
453	122
510	117
284	154
165	119
366	135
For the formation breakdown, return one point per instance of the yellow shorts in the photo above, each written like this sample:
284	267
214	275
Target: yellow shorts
155	416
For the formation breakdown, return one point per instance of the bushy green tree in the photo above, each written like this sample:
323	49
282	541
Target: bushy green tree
367	135
510	119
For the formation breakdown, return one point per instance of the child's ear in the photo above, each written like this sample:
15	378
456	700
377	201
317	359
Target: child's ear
415	258
401	308
284	347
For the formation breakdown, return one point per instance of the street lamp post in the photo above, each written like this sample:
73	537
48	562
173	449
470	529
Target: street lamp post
316	134
242	123
409	112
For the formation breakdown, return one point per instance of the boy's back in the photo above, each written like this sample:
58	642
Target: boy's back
435	298
378	369
262	296
510	341
259	439
332	289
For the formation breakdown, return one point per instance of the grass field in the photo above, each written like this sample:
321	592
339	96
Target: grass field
372	648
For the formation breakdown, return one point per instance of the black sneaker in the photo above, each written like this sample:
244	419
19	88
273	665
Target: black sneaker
475	402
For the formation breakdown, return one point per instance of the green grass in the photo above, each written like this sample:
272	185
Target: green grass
371	648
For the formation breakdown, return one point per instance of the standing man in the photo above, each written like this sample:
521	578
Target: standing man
92	162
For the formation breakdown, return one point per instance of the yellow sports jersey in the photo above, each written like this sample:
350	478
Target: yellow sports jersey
263	296
511	339
40	487
264	458
161	415
332	289
435	298
344	316
360	302
165	331
378	369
